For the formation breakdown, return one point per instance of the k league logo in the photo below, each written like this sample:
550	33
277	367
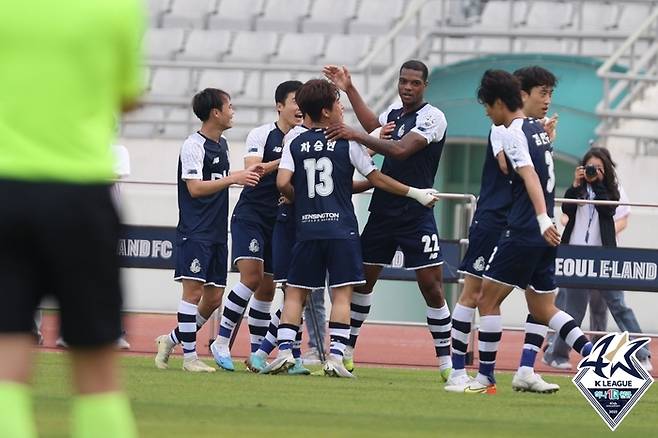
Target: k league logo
611	378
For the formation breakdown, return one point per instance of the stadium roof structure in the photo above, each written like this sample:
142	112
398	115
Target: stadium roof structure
453	89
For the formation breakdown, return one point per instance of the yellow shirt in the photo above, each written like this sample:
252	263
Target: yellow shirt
66	67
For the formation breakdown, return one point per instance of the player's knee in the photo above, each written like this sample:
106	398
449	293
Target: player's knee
213	300
251	280
470	298
433	293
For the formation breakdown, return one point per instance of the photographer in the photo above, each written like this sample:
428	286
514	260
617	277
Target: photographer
590	225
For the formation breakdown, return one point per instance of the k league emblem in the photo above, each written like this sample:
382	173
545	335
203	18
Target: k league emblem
253	246
611	378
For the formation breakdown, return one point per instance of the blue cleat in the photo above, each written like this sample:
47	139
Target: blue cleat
224	362
255	363
299	369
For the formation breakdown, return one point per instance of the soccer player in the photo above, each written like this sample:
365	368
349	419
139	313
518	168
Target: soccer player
68	68
489	221
412	157
252	226
317	174
524	256
201	234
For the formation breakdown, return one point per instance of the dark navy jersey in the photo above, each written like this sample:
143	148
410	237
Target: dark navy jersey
529	145
322	179
204	218
419	170
495	187
259	203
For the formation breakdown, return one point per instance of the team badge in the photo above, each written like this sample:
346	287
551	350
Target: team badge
254	246
195	266
611	378
401	131
479	264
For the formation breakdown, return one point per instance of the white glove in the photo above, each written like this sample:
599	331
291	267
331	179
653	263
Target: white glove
424	196
544	222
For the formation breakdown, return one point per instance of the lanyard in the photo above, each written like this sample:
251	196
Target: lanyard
592	210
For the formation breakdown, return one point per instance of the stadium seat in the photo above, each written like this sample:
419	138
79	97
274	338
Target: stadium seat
134	128
189	13
329	16
549	15
462	48
236	14
558	46
346	50
206	45
156	8
231	81
297	48
249	117
403	45
282	15
163	44
597	48
495	45
598	16
173	82
376	17
496	14
252	47
179	122
632	15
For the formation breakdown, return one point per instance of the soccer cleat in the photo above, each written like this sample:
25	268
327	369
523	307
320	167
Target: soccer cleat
559	364
60	342
444	375
348	363
197	366
460	379
311	357
123	344
472	386
335	368
299	369
533	382
283	362
224	361
164	346
255	363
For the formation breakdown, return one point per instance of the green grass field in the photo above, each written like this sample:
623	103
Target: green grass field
381	402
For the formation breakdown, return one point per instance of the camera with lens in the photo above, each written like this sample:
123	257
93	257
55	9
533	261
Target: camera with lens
590	171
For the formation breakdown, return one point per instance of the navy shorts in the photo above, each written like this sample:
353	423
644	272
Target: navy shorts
523	266
313	260
481	242
283	240
201	261
251	240
417	237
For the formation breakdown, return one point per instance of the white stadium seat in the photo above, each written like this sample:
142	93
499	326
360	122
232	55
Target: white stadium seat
135	128
496	14
598	16
174	82
155	10
558	46
345	49
252	47
282	15
549	15
231	81
189	13
236	14
163	43
297	48
329	16
206	45
376	17
632	15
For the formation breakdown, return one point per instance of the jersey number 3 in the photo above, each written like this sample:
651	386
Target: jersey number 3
325	185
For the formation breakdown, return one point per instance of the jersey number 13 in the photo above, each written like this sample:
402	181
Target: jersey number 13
325	184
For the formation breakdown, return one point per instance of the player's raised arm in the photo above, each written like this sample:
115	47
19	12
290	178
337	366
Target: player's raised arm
517	150
340	76
366	167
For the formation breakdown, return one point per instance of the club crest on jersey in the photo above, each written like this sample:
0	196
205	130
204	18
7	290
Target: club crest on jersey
401	130
254	246
195	266
215	160
611	378
479	264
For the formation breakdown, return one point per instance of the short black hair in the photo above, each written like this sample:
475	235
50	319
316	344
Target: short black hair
284	89
208	99
316	95
535	76
416	65
499	84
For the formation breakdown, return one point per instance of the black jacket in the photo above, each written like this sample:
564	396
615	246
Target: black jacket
606	212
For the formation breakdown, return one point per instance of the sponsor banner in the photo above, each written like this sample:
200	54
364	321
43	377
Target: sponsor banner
575	266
